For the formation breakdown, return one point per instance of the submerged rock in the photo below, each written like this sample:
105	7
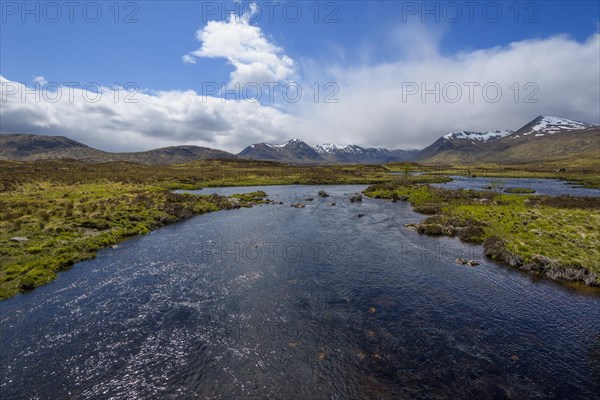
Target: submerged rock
469	263
356	198
323	193
298	205
361	215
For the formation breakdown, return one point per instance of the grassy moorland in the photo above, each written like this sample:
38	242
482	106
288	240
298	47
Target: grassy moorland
195	175
67	210
558	237
55	213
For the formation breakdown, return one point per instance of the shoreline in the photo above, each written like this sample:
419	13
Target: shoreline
455	212
95	218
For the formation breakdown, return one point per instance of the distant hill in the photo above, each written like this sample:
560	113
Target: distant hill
546	138
25	147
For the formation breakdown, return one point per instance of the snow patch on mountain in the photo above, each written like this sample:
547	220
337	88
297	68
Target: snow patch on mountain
484	136
550	124
283	146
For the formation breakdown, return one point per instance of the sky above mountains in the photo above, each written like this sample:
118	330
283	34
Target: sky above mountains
138	75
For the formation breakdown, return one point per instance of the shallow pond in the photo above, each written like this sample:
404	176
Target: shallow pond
299	303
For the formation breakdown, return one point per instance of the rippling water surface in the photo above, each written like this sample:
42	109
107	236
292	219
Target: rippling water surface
285	303
553	187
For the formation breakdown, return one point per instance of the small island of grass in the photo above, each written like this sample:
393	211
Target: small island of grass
519	190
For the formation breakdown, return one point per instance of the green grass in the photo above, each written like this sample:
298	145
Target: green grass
565	230
519	190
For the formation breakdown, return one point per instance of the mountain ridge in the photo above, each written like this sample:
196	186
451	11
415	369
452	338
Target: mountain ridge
296	150
30	147
543	138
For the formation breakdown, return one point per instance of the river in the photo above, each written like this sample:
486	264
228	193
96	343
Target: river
276	302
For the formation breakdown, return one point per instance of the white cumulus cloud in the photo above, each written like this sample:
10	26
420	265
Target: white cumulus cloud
254	57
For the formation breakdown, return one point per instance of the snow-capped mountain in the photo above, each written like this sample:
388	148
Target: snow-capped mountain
546	137
296	151
293	151
544	125
355	154
334	148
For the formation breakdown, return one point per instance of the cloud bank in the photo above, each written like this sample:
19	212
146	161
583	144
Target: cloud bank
411	103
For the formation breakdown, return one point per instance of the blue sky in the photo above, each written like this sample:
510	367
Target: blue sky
362	38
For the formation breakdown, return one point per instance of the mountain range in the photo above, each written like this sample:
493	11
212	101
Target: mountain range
296	151
545	138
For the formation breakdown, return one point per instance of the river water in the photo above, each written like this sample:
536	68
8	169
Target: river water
276	302
552	187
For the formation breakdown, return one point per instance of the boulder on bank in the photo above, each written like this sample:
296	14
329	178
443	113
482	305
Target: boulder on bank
553	270
19	239
435	230
495	248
